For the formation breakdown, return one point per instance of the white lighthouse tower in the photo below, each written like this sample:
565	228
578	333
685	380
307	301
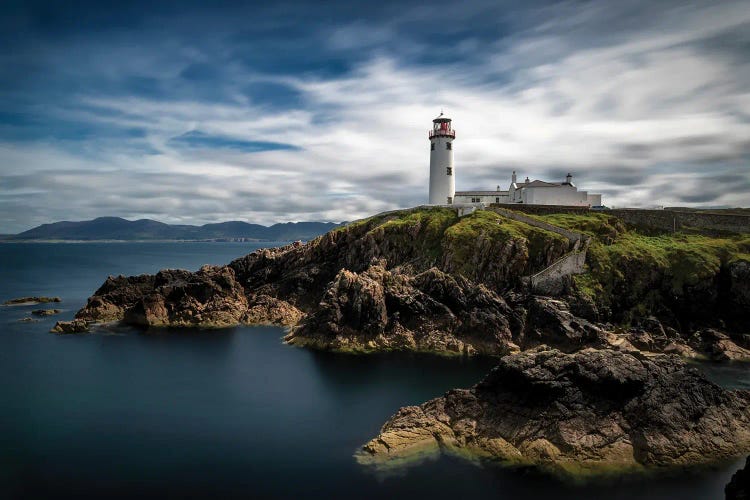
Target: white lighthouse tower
442	174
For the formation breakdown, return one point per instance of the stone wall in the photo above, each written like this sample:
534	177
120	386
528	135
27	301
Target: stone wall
541	209
675	220
551	281
663	220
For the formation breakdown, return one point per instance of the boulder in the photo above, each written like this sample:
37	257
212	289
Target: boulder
550	322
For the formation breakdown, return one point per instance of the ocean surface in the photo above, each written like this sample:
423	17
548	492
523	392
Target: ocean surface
230	413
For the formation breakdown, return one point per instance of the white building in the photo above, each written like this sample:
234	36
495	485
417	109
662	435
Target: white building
534	193
551	193
443	180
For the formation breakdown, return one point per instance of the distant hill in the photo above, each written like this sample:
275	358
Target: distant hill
115	228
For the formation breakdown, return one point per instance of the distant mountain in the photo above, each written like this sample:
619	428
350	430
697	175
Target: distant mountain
115	228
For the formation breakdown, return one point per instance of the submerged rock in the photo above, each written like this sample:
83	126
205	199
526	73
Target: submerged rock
589	412
23	301
45	312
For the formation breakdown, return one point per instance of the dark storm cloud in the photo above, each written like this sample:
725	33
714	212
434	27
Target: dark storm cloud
190	112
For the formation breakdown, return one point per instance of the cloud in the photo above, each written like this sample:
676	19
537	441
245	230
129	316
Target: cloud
326	120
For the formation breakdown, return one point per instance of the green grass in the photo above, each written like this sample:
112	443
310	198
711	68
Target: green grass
489	231
421	230
601	226
639	275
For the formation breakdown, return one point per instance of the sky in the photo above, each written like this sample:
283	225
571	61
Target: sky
195	112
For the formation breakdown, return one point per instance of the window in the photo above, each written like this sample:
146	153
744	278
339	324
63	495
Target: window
432	146
448	170
448	145
450	200
497	200
476	200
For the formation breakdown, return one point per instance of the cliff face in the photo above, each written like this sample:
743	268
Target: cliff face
588	412
432	311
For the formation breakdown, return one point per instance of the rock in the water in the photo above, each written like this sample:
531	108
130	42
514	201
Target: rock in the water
588	412
45	312
28	319
75	326
23	301
738	487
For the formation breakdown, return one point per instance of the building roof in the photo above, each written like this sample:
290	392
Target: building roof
537	183
481	193
441	119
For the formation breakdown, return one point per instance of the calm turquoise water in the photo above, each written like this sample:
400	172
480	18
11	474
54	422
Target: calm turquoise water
233	413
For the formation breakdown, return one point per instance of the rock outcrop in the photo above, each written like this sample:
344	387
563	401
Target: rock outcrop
75	326
432	311
593	411
421	279
738	487
208	298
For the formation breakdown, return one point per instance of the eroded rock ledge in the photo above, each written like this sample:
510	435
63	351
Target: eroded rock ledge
594	411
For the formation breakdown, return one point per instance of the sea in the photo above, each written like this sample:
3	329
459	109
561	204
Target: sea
234	413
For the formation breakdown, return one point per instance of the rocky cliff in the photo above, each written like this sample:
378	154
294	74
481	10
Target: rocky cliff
425	279
594	411
421	279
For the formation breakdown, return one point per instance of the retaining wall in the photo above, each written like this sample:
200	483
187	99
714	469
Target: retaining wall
551	281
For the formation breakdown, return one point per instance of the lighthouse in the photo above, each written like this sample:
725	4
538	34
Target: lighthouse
442	174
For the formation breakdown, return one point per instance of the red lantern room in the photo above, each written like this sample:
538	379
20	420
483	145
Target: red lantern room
441	127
